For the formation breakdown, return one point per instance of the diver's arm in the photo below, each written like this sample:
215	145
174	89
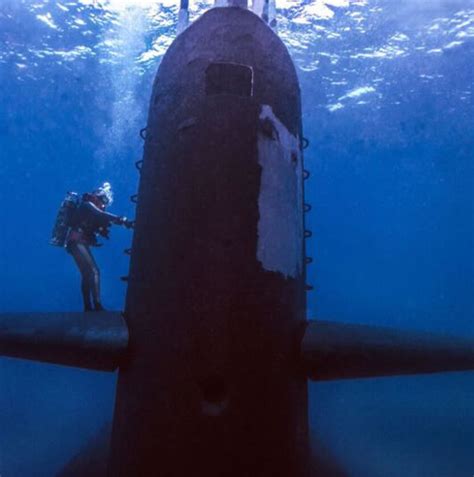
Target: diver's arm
101	215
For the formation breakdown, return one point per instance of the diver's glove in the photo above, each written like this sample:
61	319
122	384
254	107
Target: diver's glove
125	222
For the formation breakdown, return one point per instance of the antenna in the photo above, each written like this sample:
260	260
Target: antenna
183	16
266	10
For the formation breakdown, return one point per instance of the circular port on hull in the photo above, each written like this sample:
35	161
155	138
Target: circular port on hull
215	398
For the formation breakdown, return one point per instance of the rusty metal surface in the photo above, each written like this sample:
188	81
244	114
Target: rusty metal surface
333	350
211	386
85	340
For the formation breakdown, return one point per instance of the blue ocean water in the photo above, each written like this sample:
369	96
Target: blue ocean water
388	109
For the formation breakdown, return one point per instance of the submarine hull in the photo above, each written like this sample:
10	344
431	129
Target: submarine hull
216	294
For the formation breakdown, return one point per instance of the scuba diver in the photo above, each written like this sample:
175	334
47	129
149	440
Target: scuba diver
78	223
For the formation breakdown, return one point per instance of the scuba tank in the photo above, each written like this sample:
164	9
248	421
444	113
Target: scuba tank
63	219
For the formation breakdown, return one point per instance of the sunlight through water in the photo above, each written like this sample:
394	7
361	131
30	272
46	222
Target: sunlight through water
341	37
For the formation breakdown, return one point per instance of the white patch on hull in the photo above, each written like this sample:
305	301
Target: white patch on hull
280	203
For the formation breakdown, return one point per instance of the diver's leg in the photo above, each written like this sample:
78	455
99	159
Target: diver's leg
80	257
94	280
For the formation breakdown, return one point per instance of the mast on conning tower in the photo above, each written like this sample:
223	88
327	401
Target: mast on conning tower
265	9
183	16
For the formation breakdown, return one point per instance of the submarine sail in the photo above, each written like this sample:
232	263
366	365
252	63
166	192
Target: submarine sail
216	283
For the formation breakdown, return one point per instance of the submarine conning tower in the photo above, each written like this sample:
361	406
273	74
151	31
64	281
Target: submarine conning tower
216	287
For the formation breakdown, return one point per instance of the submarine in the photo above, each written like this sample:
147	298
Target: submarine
214	348
217	255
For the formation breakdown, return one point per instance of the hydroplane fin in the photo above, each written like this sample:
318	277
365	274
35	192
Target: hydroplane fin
333	350
95	340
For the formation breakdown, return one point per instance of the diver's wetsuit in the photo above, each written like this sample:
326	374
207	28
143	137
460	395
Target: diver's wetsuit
88	220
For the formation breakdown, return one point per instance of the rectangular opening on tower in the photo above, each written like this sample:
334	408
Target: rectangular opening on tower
229	78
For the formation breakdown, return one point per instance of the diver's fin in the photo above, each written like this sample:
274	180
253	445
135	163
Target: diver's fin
331	350
85	340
